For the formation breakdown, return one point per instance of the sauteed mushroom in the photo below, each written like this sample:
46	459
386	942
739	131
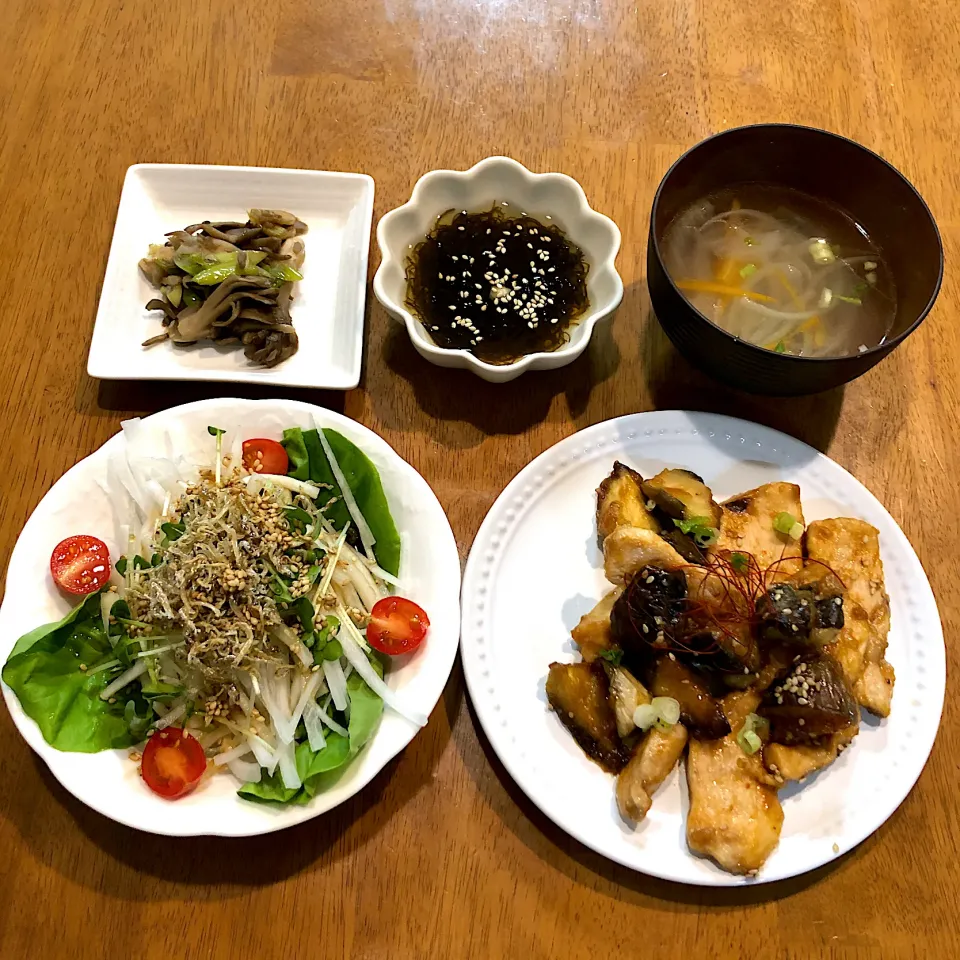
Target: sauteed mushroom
231	282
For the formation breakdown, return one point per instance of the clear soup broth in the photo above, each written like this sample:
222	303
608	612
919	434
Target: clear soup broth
783	270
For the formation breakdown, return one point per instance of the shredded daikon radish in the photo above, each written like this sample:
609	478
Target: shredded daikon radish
107	599
366	534
210	738
347	624
309	692
362	579
266	756
314	727
131	674
330	722
356	656
235	754
175	714
288	637
246	772
332	560
260	480
103	666
336	682
156	651
288	766
278	712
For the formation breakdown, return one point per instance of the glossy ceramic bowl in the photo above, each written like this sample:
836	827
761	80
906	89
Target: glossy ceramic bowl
824	165
542	195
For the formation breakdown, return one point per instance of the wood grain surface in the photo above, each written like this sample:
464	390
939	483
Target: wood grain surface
441	856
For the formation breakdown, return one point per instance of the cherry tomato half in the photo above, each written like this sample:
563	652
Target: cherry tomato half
397	625
265	456
80	564
173	763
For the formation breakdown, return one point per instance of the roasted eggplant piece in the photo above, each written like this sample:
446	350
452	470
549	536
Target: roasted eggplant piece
827	620
723	648
620	502
785	614
580	695
686	546
791	615
626	694
647	614
682	495
811	702
701	713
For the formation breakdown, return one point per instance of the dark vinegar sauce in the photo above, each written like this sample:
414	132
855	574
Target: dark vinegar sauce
499	284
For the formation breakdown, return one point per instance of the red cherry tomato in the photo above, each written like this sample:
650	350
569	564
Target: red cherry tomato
265	456
80	564
173	763
397	625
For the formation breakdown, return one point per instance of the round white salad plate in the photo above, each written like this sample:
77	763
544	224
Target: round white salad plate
429	573
535	568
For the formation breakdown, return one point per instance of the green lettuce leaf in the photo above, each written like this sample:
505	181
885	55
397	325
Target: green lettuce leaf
366	709
308	462
44	672
270	789
311	767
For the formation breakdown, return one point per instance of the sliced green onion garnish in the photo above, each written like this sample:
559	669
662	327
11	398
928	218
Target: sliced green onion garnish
749	736
747	270
784	522
821	251
667	709
856	301
781	347
645	716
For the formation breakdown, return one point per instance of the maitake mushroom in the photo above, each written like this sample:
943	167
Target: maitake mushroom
230	282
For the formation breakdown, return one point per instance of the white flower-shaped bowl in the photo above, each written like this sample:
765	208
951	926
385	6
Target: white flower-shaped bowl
543	195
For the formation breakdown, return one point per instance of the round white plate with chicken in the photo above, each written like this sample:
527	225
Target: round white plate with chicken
702	648
247	626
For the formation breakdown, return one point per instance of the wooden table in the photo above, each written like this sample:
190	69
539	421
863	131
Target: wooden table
441	856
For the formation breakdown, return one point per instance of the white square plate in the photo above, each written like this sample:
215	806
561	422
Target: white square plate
328	303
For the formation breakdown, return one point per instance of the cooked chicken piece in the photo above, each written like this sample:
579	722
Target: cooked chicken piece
746	526
654	758
626	694
874	690
592	633
579	693
735	816
628	549
798	762
850	647
851	548
620	502
737	706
